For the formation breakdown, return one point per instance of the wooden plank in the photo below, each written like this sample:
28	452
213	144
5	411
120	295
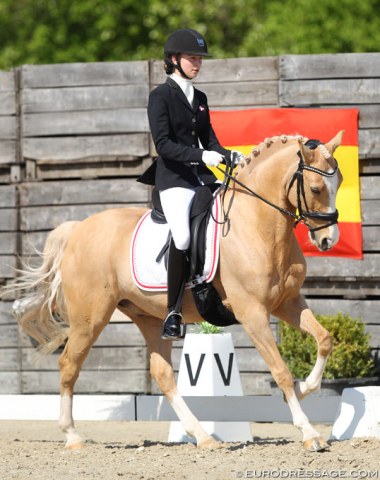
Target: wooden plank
43	218
366	310
7	103
325	92
8	196
32	241
81	192
371	238
99	358
8	264
342	65
114	335
13	174
370	187
241	93
39	100
85	171
10	383
8	243
350	289
9	360
118	381
121	334
7	128
123	120
85	148
6	315
84	74
8	219
339	267
8	336
370	212
7	151
225	70
369	143
369	166
7	81
369	116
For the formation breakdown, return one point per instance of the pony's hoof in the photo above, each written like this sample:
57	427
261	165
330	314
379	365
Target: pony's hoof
209	444
75	446
317	444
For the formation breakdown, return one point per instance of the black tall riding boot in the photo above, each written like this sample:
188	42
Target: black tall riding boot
177	272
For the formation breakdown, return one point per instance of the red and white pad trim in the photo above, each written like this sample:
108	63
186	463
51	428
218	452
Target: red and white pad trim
147	242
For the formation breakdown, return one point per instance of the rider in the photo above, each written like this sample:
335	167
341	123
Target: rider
185	142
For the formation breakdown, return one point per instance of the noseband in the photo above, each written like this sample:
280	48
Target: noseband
303	213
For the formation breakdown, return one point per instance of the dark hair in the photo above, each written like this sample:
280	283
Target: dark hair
168	64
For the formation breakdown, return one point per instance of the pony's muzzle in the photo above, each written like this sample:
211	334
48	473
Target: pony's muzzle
325	239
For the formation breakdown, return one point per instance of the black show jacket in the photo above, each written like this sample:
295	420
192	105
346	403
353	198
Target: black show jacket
175	128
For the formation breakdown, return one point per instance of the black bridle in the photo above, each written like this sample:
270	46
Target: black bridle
304	213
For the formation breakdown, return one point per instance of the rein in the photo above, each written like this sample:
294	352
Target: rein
303	214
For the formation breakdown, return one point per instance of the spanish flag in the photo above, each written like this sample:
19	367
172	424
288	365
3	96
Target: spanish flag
244	129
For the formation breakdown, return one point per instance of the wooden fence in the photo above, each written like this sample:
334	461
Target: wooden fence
73	139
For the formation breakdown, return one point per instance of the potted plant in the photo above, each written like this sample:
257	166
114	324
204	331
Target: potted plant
350	363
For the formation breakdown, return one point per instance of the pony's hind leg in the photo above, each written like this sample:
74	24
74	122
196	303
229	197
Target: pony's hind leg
162	371
85	328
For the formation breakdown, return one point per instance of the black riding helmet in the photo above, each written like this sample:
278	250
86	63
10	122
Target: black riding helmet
186	41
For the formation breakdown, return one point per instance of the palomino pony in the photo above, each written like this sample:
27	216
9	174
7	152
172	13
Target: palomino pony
86	275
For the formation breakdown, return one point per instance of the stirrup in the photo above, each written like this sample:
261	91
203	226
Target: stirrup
172	327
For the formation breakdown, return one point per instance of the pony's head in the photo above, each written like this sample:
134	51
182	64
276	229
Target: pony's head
313	190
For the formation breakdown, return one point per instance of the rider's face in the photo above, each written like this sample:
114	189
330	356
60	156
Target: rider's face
191	64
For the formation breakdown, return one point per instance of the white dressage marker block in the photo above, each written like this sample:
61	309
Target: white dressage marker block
208	368
359	414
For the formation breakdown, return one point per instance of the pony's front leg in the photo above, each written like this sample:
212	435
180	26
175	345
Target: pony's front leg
259	330
162	371
298	315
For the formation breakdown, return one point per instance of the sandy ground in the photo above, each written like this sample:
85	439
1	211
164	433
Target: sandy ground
139	451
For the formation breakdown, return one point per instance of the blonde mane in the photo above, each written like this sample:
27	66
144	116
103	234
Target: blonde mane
266	148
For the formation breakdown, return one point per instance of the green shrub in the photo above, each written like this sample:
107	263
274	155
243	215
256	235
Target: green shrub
205	327
351	354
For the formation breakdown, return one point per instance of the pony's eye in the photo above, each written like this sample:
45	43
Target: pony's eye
315	190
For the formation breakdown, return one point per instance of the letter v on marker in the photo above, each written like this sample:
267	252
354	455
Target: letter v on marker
194	380
226	378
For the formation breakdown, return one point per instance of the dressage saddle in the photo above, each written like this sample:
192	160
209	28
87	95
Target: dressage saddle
206	297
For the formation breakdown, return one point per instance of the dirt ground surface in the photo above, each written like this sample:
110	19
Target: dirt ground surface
139	450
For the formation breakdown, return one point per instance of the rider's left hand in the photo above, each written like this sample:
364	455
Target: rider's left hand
237	156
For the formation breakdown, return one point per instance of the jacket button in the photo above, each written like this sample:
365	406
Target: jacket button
193	145
193	120
193	132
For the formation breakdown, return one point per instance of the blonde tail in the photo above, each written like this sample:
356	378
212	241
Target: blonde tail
41	310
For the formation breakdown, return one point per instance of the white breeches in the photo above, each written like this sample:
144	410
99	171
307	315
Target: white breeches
176	203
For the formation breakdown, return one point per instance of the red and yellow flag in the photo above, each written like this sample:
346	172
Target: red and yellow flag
244	129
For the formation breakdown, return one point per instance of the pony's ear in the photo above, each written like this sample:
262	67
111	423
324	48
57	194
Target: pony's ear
334	143
306	153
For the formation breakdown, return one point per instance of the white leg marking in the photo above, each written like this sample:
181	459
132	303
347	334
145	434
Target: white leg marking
313	382
66	421
189	421
300	420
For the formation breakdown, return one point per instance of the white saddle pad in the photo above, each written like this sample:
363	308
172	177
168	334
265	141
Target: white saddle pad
147	242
